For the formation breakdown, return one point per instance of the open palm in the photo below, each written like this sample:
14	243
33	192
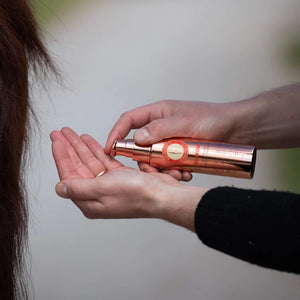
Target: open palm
121	193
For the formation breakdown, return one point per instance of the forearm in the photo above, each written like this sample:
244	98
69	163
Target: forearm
269	120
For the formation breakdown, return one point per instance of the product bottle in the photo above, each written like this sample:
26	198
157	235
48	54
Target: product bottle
192	155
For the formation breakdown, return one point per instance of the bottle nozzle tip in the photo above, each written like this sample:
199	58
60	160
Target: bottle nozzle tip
113	149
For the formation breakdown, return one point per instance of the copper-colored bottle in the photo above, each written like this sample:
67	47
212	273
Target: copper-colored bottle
193	156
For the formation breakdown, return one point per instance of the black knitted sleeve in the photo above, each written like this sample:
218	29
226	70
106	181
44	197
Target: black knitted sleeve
261	227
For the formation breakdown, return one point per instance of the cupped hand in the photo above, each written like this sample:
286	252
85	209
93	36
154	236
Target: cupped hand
120	193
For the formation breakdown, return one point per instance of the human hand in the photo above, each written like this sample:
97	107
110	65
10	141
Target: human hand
122	192
165	119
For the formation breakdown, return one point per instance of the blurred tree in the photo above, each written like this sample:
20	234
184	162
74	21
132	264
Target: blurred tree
290	159
45	10
292	51
293	176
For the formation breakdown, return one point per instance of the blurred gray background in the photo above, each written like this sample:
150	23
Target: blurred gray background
114	56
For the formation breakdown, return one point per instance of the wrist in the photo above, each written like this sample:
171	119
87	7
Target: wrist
178	205
247	116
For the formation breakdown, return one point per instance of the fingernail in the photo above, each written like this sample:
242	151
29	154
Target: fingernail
141	134
62	190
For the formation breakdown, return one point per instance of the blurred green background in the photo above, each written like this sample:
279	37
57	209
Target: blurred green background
45	10
289	160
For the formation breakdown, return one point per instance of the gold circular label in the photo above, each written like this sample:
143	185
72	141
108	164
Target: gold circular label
175	151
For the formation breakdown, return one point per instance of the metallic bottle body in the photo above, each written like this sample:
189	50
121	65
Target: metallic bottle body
193	156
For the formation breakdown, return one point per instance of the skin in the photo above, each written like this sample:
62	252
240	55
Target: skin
121	192
270	120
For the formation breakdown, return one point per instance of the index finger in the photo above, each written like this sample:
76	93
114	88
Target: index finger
133	119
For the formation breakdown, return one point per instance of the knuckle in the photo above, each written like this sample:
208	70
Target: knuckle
167	106
73	191
167	102
164	101
157	126
125	115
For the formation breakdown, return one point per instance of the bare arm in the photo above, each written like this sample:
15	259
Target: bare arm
269	120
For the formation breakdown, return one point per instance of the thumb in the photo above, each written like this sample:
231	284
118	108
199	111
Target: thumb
160	129
78	189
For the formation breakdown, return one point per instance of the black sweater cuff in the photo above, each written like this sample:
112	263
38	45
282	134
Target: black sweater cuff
261	227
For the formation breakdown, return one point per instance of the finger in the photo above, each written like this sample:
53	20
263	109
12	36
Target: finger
147	168
84	193
54	135
179	175
63	162
87	158
133	119
108	162
160	129
186	176
79	189
174	173
77	163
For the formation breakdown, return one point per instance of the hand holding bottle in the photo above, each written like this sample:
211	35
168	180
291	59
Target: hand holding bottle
166	119
267	121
